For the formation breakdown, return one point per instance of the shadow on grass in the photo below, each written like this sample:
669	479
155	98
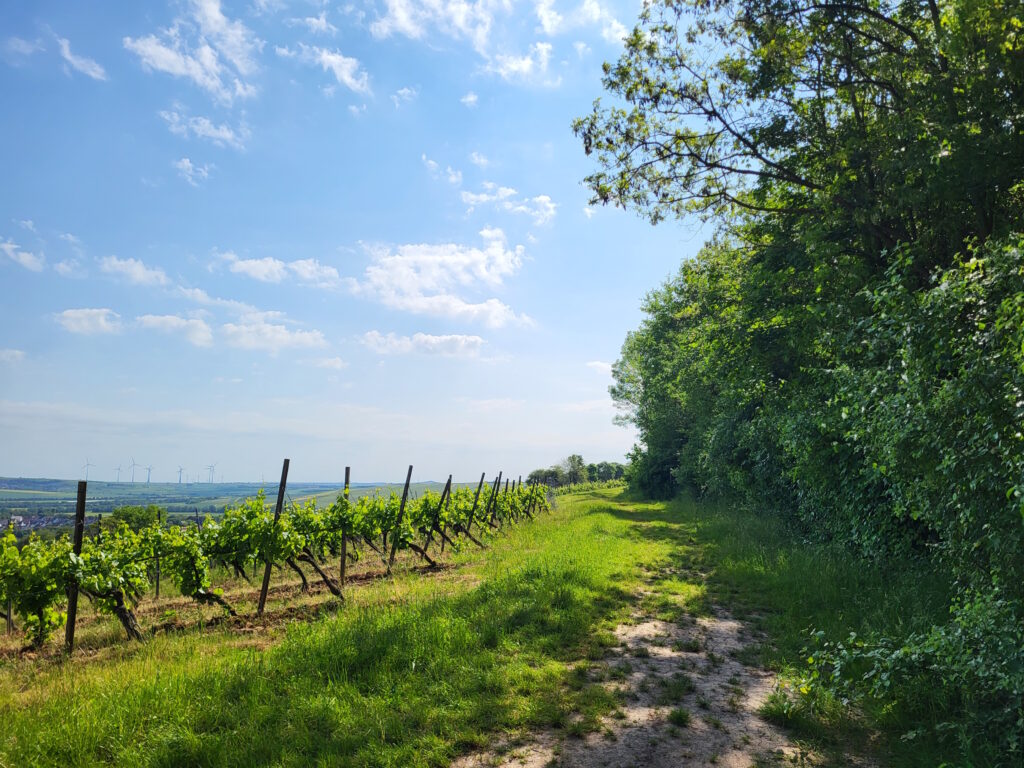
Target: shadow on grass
786	587
408	684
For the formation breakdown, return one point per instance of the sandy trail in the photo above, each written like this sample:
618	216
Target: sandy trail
660	671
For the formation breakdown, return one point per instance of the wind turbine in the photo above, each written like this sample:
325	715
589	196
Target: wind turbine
86	467
132	466
118	470
148	470
180	470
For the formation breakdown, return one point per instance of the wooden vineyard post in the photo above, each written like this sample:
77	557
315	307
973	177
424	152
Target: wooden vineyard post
492	507
472	514
344	536
398	527
277	516
158	559
197	518
99	529
76	547
437	515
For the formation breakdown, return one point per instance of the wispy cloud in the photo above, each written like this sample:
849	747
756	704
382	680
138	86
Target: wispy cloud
449	345
192	173
318	25
480	161
216	53
347	71
330	363
590	13
133	270
404	96
81	64
541	208
26	224
195	330
470	99
11	356
90	321
31	261
600	366
201	127
20	48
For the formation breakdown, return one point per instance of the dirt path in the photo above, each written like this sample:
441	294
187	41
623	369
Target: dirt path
685	700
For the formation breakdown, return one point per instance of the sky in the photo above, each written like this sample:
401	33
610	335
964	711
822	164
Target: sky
343	233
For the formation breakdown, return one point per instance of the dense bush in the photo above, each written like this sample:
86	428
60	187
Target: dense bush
849	349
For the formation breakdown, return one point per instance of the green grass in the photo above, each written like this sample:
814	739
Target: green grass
416	670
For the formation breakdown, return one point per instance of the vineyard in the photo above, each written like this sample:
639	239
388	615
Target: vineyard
41	580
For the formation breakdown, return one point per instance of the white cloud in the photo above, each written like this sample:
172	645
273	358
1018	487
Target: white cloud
214	52
202	127
27	224
458	19
588	211
600	366
470	99
449	345
331	363
318	25
541	209
133	270
199	296
255	333
479	160
453	176
68	268
422	279
357	111
312	272
266	270
193	174
582	49
347	71
430	164
531	68
90	321
11	356
80	63
70	238
195	330
589	13
550	19
271	270
30	261
404	96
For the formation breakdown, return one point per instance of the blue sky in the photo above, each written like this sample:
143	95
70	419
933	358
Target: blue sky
347	233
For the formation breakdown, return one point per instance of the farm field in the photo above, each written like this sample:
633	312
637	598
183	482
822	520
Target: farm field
41	496
657	629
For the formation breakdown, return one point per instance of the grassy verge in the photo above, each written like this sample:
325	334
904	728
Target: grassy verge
411	672
787	588
416	670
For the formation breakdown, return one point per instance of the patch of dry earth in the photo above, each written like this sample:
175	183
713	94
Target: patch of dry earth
660	667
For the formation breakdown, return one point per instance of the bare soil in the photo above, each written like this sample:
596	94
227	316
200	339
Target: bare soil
685	700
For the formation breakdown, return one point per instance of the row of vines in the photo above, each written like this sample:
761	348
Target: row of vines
115	569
